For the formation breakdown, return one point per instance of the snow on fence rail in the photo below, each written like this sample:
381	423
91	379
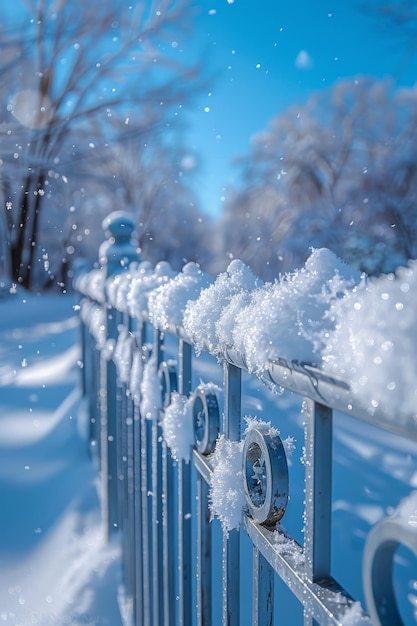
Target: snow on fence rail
315	332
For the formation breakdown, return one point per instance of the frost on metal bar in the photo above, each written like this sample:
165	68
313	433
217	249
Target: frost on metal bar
318	481
184	503
326	602
231	548
263	591
161	506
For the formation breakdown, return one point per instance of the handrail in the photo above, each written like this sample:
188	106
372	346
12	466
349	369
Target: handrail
151	496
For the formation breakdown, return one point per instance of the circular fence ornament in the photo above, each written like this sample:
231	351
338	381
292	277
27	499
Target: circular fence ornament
265	476
381	544
206	420
168	379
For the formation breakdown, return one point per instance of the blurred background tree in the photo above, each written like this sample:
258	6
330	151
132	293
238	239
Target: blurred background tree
339	171
91	95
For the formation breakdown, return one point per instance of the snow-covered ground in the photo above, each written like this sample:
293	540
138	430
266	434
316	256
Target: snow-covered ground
55	567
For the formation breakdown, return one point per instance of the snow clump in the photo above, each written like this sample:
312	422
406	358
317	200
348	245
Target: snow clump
119	282
150	391
136	376
177	426
226	495
144	281
94	317
354	616
201	315
123	354
285	545
373	343
267	429
167	303
289	319
177	421
92	284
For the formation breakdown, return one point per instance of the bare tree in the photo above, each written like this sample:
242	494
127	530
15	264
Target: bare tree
67	68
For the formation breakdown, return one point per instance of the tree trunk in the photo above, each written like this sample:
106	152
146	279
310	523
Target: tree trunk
17	247
33	235
23	249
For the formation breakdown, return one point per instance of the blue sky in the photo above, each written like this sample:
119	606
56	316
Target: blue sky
269	54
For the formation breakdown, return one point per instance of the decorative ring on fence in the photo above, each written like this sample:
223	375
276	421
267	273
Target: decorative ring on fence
265	477
381	544
206	420
168	379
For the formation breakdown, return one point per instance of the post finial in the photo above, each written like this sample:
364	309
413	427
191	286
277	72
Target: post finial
120	249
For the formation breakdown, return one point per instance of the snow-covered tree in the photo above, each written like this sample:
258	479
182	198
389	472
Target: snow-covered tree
67	70
339	171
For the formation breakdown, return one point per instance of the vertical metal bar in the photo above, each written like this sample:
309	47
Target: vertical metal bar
169	563
95	402
204	588
122	444
318	468
85	358
263	591
157	495
130	507
231	571
156	588
122	479
130	486
147	518
184	502
156	552
90	390
184	368
138	539
184	543
90	387
108	415
233	401
309	619
138	523
231	549
145	490
103	444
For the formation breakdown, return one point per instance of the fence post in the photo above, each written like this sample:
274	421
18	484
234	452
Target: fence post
115	255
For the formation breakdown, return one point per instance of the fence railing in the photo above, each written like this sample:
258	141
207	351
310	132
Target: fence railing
158	501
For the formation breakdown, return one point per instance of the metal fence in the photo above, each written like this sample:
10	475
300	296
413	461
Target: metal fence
172	557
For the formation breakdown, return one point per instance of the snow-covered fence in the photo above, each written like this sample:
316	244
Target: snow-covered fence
172	455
